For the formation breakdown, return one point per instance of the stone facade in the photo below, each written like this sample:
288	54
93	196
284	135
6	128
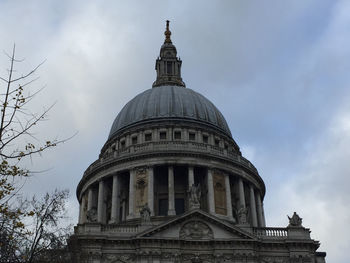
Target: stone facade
171	185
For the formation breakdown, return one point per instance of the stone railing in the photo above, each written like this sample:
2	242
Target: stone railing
271	232
120	229
183	146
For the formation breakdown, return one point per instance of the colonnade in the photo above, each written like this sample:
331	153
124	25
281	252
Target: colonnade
247	194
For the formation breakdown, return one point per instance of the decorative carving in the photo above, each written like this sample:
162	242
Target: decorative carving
275	260
145	213
196	230
295	220
219	193
91	215
218	258
141	170
196	259
195	196
141	188
119	258
242	215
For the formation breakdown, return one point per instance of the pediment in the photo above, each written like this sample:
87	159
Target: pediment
196	225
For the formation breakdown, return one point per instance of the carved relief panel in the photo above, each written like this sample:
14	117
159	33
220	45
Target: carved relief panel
219	193
196	230
141	189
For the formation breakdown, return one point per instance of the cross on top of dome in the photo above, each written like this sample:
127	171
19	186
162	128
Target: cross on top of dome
168	65
167	33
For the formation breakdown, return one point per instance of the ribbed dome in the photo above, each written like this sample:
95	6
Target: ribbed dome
169	102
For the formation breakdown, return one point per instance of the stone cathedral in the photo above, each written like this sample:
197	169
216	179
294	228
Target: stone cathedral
171	185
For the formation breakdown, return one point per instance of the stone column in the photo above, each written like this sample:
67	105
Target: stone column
263	213
82	215
228	196
150	190
90	193
115	200
259	209
211	204
124	210
171	192
100	203
131	194
241	193
190	176
252	206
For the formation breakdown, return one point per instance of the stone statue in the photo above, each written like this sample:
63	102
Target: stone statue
195	196
91	215
145	213
295	220
242	215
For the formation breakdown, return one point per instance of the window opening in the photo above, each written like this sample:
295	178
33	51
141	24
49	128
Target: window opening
177	135
148	137
192	136
162	135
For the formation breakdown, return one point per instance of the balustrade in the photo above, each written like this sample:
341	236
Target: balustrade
120	228
271	232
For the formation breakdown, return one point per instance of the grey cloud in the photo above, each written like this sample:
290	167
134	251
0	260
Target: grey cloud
276	69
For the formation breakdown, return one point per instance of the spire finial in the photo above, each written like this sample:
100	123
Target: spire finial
167	33
168	65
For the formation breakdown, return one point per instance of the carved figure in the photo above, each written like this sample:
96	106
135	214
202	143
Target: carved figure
242	215
196	230
91	215
195	196
145	213
295	220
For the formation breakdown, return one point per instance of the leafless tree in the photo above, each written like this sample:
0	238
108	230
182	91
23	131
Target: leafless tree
18	142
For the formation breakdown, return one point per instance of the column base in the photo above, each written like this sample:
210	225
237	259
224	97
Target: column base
171	212
131	216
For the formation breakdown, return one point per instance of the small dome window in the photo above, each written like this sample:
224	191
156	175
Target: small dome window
192	136
162	135
177	135
148	137
205	138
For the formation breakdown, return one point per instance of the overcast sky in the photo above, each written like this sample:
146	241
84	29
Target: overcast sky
279	71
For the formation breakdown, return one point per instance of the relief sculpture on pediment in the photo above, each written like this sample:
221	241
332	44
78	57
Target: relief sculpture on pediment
196	230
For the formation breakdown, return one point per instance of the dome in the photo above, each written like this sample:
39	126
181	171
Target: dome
169	102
